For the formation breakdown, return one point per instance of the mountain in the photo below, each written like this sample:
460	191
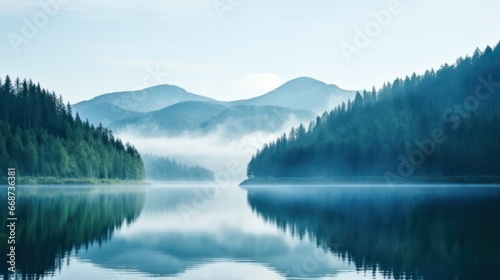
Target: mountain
146	100
239	120
301	94
304	94
105	113
170	110
443	123
173	120
204	117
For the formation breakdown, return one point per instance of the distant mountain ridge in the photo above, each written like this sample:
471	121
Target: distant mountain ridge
302	93
105	113
205	117
146	100
172	120
171	110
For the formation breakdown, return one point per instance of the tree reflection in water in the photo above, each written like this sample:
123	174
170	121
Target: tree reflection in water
55	222
407	233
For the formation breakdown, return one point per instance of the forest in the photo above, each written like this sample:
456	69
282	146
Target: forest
442	123
164	169
40	137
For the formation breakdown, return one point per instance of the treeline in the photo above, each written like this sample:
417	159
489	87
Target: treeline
40	137
165	169
441	123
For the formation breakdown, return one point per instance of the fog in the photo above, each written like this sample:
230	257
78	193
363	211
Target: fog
224	153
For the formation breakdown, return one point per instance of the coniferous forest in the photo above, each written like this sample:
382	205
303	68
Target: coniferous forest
442	123
40	138
164	169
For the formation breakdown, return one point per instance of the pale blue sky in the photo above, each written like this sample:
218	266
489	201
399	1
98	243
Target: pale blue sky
90	47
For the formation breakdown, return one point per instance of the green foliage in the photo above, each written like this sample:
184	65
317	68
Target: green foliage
40	137
162	168
383	132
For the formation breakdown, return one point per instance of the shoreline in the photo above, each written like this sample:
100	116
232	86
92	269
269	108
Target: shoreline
20	180
276	181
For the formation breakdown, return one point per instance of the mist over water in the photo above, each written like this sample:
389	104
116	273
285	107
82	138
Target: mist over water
221	150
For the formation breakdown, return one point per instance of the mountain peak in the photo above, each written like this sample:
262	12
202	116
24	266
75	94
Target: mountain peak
302	93
304	79
163	87
305	82
146	100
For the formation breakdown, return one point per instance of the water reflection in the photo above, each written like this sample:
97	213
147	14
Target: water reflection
223	238
258	233
54	221
412	233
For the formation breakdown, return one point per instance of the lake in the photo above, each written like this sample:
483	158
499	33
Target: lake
209	232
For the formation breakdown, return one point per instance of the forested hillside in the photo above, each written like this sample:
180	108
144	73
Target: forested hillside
164	169
40	138
441	123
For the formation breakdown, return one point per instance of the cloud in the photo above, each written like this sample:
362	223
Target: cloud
258	83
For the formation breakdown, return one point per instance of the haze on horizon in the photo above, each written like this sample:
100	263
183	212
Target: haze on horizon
231	50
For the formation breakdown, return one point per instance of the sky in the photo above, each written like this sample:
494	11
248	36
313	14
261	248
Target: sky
234	49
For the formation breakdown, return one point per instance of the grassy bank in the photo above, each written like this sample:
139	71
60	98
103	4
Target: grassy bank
370	180
25	180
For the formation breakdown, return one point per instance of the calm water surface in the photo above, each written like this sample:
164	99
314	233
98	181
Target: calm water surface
204	232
